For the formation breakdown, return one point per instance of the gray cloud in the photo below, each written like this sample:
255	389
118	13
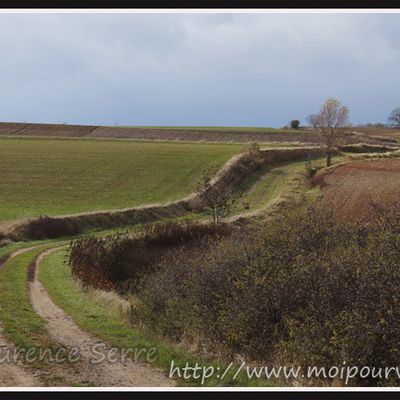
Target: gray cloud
196	69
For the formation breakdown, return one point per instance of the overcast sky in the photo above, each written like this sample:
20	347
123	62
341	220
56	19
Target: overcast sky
196	69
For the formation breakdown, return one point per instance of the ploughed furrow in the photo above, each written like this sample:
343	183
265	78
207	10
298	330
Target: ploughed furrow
361	190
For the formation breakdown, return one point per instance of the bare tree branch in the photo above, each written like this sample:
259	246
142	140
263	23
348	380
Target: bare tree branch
331	119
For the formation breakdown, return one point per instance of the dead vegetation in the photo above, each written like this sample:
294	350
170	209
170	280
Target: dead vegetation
122	262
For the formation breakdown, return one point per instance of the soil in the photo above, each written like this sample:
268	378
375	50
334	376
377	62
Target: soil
351	188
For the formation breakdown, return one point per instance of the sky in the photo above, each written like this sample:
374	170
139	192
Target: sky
196	69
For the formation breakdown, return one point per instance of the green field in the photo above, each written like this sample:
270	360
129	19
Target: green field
63	176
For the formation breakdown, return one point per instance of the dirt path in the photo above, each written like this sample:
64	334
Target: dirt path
64	330
13	374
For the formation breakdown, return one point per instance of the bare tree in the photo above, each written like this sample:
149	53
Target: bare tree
394	118
331	119
221	195
310	119
219	201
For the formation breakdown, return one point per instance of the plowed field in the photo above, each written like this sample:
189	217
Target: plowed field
350	188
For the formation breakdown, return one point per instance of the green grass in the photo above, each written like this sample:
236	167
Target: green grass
13	246
269	183
21	324
265	189
9	248
104	323
63	176
264	186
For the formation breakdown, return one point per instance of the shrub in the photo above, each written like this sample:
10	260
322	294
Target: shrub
366	148
304	289
121	261
46	227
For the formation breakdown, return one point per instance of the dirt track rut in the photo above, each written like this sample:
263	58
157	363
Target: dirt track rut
64	330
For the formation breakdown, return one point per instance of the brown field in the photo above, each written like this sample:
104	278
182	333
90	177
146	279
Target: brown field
45	130
349	189
201	134
384	132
